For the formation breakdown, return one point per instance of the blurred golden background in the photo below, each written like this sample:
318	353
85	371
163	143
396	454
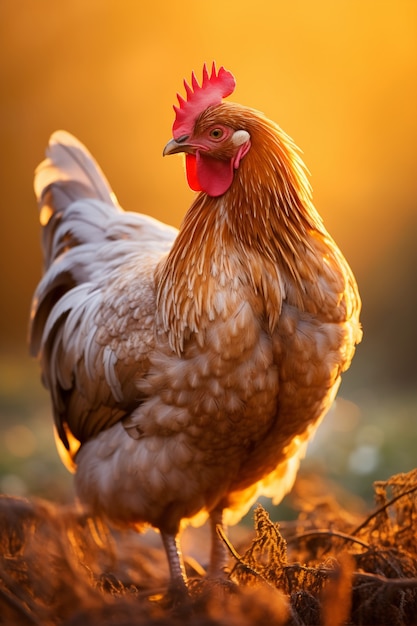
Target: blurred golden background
339	77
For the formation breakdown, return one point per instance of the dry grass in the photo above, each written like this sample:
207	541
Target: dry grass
60	567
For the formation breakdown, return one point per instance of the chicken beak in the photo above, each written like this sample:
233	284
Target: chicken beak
174	147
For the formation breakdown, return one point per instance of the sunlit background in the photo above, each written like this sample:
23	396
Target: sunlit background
339	76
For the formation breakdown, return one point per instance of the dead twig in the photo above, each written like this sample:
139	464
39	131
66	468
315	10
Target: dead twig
400	583
383	508
328	533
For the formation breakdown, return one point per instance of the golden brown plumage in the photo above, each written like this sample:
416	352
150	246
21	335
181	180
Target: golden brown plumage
188	371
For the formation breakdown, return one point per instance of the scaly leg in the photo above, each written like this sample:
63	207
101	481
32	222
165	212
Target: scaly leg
178	583
218	556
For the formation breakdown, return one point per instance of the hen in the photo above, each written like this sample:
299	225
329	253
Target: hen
189	368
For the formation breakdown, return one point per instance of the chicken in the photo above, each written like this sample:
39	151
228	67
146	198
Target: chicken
188	369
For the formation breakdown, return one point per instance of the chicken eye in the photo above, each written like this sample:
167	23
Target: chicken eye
216	133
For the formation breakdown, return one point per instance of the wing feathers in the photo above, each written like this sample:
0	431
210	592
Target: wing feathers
94	253
110	360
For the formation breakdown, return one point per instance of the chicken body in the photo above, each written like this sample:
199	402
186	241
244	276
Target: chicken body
189	369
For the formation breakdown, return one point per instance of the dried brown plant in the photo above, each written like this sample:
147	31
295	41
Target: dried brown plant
58	566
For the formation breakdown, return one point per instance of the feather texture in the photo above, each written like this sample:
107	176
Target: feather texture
81	304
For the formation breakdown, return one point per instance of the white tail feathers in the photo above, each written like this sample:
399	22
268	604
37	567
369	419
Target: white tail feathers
68	161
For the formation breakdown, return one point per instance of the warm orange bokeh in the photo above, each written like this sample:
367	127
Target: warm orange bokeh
339	77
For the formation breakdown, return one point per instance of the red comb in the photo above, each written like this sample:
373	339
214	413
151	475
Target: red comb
213	88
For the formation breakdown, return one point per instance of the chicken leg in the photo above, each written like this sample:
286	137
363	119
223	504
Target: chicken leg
178	582
218	555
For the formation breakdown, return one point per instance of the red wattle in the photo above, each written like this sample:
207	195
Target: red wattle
214	175
191	169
